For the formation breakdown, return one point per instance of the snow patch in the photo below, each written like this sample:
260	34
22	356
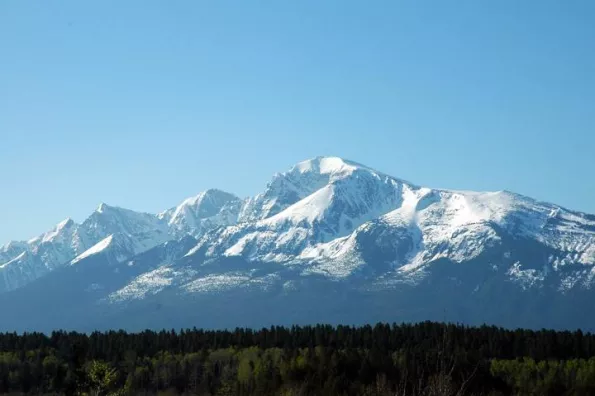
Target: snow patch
98	248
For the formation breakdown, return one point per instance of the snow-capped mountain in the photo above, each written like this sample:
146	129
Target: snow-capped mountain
324	210
41	255
11	250
207	210
124	233
328	240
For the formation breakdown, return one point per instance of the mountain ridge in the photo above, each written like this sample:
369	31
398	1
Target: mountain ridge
326	225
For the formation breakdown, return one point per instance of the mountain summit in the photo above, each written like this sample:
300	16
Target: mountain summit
329	239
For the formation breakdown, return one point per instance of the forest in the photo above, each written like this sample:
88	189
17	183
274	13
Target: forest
433	359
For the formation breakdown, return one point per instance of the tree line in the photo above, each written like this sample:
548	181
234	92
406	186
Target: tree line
399	359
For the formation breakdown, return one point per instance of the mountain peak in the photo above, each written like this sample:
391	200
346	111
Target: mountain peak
61	230
211	193
327	165
324	218
102	207
111	210
208	208
331	168
12	244
215	191
68	222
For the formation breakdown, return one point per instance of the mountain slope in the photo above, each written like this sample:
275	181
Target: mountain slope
41	255
328	240
124	231
207	210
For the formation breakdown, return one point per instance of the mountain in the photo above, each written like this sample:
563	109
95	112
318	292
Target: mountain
329	240
40	255
199	214
123	232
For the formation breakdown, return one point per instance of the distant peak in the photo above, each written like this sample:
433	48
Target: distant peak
220	195
320	162
330	167
103	207
65	223
12	244
215	191
210	193
194	200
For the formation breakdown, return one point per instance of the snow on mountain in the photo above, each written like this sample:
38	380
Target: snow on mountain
156	271
11	250
299	182
314	202
121	246
207	210
107	220
125	232
101	246
325	225
335	217
150	283
41	255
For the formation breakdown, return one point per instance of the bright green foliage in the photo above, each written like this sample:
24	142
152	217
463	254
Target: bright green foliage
547	377
102	377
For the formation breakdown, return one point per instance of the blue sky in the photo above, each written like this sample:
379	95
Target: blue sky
143	103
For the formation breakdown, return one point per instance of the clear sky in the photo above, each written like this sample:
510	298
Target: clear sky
142	103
